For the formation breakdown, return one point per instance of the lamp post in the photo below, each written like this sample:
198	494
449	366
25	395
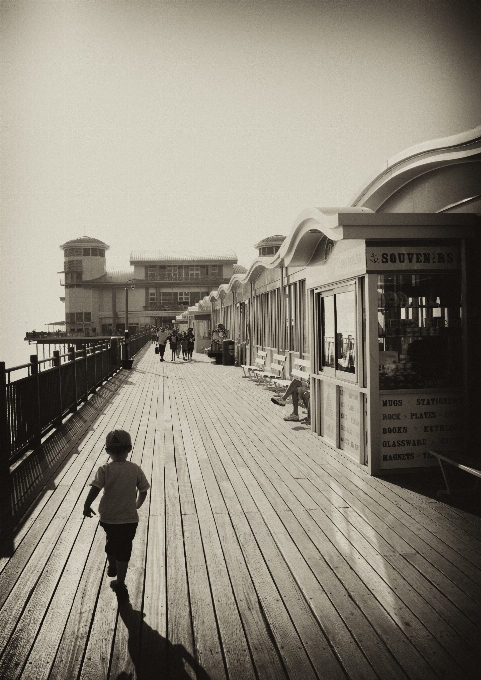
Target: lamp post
126	362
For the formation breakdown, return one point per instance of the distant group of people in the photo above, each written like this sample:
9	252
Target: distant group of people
178	342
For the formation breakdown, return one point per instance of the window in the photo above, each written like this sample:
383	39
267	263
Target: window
79	317
171	272
152	295
303	339
151	272
166	297
88	317
420	330
338	332
194	272
73	277
214	269
296	321
184	297
268	250
194	297
73	252
73	265
86	251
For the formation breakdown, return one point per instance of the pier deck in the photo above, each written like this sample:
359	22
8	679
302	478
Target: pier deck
259	554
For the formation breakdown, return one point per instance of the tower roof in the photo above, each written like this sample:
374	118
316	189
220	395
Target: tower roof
85	241
276	240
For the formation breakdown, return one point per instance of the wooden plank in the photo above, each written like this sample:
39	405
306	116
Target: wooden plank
154	644
236	653
71	649
289	648
207	644
265	655
28	618
316	645
336	628
153	648
180	633
43	652
462	572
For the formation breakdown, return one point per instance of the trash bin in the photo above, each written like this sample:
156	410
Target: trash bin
228	352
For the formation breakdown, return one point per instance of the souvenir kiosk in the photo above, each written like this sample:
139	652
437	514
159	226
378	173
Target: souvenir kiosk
387	295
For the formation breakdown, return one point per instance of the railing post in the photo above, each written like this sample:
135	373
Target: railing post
71	358
114	355
85	396
102	375
4	424
94	389
5	449
56	362
37	438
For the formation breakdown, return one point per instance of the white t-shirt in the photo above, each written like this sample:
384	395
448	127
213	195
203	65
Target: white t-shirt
120	481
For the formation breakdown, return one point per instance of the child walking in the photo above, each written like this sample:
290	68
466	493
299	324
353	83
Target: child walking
121	480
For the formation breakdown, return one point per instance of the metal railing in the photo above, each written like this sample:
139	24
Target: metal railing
186	278
175	308
33	404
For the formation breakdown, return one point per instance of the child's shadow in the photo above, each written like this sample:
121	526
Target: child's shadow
155	657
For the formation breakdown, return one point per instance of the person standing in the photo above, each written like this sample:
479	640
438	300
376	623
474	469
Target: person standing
190	343
179	343
162	336
184	343
173	341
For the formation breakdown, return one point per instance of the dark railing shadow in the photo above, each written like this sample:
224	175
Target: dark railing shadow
23	486
152	654
428	481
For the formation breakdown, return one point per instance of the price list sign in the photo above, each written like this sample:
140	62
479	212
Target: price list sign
413	423
349	421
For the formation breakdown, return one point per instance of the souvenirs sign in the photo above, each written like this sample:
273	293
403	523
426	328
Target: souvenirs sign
407	258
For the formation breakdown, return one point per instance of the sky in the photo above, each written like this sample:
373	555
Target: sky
206	123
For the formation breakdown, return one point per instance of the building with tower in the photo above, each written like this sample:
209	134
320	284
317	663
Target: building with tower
157	287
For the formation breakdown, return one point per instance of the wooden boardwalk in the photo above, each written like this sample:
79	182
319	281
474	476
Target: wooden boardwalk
259	555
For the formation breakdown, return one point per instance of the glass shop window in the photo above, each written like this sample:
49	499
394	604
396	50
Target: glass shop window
420	330
338	333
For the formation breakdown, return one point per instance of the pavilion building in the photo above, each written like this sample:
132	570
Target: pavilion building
157	287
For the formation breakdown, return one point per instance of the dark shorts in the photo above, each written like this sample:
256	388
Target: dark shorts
119	540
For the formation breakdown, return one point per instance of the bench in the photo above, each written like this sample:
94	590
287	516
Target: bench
259	365
276	369
462	461
300	370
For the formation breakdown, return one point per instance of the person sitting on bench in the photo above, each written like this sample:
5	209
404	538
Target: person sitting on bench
298	390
